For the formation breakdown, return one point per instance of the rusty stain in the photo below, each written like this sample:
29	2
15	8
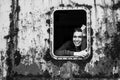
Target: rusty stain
61	5
116	6
36	40
48	21
69	5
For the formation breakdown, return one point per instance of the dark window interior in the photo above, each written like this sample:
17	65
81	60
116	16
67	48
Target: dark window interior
64	23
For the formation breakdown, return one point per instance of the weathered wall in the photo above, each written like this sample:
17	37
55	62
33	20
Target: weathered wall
33	37
4	30
105	29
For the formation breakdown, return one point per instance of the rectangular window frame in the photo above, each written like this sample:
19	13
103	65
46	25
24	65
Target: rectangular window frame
88	24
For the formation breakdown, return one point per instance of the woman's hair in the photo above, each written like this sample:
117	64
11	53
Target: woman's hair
78	29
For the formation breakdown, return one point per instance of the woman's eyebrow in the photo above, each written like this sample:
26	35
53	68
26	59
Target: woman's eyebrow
80	36
74	36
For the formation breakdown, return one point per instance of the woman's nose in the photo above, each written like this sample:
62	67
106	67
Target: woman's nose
77	38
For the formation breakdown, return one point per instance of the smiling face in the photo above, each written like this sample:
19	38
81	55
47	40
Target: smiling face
77	38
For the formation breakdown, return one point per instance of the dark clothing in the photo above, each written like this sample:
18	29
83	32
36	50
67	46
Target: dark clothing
69	48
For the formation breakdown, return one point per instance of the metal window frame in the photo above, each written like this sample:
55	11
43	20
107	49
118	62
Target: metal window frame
88	24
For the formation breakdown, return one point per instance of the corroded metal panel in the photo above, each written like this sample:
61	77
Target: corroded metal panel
25	29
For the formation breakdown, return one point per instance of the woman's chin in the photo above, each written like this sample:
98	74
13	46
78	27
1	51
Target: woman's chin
77	45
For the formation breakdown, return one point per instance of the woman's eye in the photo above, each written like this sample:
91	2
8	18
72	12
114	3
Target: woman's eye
74	36
79	36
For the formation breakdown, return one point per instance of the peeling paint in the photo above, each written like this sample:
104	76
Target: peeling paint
4	28
35	32
25	31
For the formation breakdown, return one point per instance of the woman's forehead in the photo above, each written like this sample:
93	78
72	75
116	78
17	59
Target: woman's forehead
77	33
